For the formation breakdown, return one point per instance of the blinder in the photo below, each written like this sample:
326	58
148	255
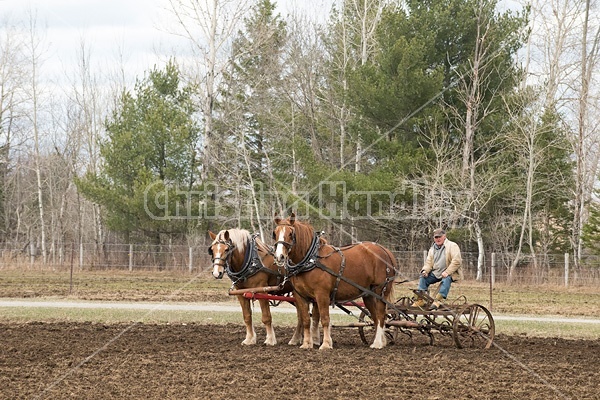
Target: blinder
288	245
227	253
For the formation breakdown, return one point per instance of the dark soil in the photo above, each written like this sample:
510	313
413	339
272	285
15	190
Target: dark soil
137	361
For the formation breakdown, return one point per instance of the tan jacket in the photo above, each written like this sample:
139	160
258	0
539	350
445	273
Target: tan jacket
453	261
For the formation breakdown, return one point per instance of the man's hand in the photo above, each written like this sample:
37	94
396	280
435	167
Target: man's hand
444	274
424	273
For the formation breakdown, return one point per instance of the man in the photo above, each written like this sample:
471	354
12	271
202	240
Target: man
443	264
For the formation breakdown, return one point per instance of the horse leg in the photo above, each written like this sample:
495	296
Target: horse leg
323	306
247	313
377	309
267	320
315	329
303	308
297	337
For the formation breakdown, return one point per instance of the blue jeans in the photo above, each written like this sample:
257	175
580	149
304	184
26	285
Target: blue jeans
431	278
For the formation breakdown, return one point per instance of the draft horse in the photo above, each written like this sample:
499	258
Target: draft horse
325	275
249	263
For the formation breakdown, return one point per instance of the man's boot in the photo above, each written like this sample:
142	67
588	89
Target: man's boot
418	301
438	303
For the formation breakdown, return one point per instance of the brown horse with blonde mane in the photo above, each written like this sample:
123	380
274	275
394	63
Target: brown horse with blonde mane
232	253
326	275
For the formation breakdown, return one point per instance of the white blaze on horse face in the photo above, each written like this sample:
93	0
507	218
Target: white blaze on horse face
217	263
279	248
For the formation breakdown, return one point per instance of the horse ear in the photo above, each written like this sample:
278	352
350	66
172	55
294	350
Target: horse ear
277	219
212	235
226	235
292	218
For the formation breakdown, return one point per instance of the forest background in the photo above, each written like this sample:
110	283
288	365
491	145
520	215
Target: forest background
381	122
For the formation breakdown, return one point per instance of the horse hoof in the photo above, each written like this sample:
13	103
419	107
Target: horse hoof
325	347
249	342
306	346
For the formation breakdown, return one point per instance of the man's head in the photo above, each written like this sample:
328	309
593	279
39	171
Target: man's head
439	235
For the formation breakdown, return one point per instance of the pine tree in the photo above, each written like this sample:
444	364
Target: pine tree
149	158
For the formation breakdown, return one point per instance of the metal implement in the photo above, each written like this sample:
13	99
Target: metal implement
470	325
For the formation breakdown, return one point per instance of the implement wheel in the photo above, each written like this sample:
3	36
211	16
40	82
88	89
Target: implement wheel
473	326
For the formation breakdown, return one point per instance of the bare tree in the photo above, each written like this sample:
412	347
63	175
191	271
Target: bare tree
534	141
209	26
585	175
566	34
35	52
476	95
85	105
12	84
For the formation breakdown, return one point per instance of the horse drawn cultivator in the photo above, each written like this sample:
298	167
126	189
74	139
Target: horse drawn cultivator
302	269
469	325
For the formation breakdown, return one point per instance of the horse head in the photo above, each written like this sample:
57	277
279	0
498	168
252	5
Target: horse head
220	251
284	235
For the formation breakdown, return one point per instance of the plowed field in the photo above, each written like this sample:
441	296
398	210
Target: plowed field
141	361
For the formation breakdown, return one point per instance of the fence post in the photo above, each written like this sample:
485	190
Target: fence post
32	253
566	269
493	270
71	273
130	257
492	279
80	255
191	263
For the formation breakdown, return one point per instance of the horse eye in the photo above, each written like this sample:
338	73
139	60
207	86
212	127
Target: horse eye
274	236
210	251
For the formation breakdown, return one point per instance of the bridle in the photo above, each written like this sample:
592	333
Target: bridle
288	246
224	260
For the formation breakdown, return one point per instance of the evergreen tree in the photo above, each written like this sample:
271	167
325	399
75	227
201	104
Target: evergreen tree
149	158
250	112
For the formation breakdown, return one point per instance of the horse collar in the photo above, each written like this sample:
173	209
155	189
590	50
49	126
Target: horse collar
252	263
310	259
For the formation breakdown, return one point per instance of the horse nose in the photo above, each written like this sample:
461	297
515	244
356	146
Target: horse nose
218	274
279	259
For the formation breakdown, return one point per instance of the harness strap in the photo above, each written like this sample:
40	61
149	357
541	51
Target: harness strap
339	276
309	261
350	282
252	265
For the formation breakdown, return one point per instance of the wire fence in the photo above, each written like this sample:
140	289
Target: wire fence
555	269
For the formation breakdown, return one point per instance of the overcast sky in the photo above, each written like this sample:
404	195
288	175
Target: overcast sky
112	29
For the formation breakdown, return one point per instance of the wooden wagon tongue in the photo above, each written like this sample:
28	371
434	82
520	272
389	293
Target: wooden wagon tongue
264	289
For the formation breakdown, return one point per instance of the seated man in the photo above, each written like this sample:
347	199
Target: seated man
443	263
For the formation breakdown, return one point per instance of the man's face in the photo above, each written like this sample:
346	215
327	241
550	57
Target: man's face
439	239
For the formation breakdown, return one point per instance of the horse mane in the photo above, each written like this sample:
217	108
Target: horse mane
262	246
239	237
304	234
